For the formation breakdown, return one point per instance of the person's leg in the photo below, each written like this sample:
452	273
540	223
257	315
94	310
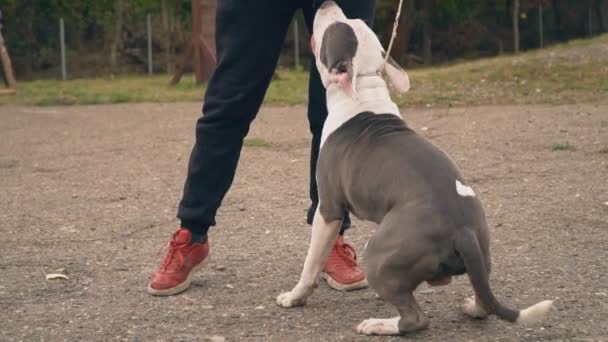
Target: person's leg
341	269
249	38
317	108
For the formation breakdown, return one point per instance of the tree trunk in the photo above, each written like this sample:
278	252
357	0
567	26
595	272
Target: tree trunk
7	67
516	26
426	31
166	37
208	11
118	24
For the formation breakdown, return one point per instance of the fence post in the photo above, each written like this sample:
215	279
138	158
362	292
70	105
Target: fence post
296	42
149	25
64	74
540	25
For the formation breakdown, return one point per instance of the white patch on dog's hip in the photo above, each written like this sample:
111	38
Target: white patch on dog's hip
464	190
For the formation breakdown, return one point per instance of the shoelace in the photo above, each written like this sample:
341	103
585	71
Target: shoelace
171	248
346	256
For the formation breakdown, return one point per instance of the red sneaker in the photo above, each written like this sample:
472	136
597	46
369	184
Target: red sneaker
183	258
341	270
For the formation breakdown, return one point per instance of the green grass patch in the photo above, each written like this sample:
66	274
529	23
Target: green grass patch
562	147
257	142
574	72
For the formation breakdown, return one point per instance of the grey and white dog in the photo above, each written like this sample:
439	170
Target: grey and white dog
431	224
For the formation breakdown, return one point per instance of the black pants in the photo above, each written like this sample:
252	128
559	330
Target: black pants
249	37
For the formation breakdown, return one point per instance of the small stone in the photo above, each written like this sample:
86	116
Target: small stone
234	315
427	291
220	267
260	307
230	286
424	128
217	338
241	208
207	307
267	232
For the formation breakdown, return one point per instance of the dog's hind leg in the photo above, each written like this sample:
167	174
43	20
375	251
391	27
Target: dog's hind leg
395	268
411	318
322	239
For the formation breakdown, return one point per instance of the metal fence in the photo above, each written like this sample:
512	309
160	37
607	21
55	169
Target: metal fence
80	50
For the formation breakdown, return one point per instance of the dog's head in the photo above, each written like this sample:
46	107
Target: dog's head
346	49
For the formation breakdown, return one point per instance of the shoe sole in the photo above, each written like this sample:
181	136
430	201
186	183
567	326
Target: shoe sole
180	287
344	287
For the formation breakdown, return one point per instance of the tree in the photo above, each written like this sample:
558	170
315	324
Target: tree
9	75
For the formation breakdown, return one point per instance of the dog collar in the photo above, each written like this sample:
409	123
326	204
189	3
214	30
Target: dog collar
369	74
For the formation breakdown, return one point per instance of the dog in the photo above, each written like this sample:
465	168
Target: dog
431	225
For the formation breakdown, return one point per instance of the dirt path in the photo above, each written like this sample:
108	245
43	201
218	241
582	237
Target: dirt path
93	189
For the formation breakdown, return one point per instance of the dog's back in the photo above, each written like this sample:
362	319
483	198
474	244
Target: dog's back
374	162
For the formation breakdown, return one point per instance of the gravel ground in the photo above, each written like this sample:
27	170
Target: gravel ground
92	190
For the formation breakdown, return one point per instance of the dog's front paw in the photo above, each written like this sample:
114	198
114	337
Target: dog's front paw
290	299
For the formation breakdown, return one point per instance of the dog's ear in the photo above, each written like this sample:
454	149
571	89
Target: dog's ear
396	75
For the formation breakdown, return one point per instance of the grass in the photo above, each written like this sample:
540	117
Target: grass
562	147
569	73
257	142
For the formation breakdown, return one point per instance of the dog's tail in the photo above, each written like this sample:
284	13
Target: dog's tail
468	247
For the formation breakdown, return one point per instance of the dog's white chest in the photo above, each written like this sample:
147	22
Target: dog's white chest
342	107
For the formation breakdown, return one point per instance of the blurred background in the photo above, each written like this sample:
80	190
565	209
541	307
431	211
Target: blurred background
120	37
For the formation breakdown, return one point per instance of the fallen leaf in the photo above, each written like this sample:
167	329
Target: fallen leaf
56	276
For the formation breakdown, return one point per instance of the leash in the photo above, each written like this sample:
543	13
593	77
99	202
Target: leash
393	36
390	45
